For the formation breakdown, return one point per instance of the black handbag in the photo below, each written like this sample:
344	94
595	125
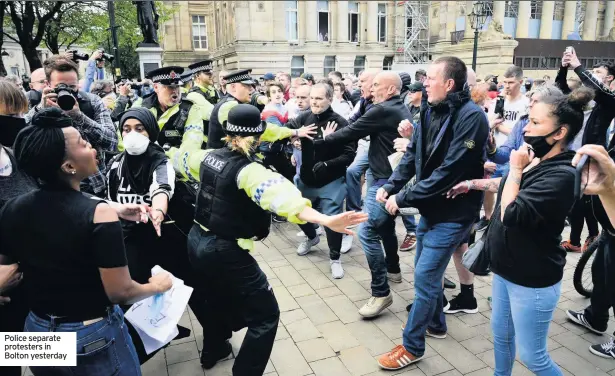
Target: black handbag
476	259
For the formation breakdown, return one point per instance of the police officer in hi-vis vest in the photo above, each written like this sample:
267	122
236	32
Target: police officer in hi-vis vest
202	73
181	134
234	204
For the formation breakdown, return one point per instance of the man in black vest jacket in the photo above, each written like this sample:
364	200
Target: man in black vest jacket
90	116
322	171
380	124
447	147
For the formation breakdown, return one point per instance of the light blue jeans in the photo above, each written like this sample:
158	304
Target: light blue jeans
524	313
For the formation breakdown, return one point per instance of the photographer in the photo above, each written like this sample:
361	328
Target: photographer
89	114
95	70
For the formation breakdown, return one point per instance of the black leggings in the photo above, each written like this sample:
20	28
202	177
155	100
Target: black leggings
582	212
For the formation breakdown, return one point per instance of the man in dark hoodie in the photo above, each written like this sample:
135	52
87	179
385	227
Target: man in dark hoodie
448	147
322	171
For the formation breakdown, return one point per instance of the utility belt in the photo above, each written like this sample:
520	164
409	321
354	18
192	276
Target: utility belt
85	320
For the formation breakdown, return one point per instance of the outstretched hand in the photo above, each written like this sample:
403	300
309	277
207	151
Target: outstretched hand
307	131
330	128
340	222
459	189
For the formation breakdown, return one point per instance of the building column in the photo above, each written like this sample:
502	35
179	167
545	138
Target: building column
311	24
451	18
609	15
546	20
372	22
302	18
469	32
442	20
342	21
333	32
591	19
570	11
523	19
364	25
434	21
499	10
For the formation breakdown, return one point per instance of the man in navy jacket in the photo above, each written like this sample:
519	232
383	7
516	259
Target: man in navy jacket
448	147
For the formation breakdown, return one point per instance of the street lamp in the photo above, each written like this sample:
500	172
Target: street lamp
477	21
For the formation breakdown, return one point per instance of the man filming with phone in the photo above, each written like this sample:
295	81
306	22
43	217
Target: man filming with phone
89	114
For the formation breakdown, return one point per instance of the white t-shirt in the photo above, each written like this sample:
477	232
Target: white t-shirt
513	111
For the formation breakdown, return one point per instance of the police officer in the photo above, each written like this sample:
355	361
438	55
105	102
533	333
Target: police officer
239	85
233	208
202	72
187	82
181	134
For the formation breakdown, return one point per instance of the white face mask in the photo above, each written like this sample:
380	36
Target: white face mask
135	143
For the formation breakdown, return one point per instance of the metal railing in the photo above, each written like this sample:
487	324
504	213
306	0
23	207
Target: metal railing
457	36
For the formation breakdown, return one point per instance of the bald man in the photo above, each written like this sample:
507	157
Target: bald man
380	124
471	78
37	83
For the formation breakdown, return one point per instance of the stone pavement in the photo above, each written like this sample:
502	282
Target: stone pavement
322	334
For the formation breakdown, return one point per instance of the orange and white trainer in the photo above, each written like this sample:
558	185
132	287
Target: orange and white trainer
397	358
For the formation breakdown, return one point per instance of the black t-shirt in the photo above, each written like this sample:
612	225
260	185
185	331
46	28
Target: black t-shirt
15	184
51	233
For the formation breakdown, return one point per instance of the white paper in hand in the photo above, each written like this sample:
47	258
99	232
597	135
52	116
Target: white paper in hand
156	318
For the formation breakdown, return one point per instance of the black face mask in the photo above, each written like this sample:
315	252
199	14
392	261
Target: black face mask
9	127
539	144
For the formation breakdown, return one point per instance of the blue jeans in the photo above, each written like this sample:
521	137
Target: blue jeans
409	223
525	313
435	244
116	357
353	177
328	200
380	226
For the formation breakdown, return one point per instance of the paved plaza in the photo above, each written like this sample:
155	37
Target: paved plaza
322	334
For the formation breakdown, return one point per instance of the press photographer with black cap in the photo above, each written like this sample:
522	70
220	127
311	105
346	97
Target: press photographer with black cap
240	86
89	114
233	208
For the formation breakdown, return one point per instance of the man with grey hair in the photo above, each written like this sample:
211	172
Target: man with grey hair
322	170
380	124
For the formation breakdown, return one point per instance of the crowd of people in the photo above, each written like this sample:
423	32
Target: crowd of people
110	179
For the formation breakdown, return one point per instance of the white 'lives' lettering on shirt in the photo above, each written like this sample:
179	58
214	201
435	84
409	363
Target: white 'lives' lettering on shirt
125	194
513	111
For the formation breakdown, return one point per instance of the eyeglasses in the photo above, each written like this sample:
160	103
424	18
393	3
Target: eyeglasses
38	82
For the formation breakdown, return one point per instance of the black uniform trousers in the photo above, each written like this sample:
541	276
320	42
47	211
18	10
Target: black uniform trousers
238	295
603	278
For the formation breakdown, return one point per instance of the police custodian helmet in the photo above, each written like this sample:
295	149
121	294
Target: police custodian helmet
244	120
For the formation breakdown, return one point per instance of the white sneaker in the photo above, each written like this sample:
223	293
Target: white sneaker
394	277
306	245
346	243
375	306
337	271
319	231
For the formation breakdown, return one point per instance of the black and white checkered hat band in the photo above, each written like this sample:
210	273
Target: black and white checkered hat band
167	77
232	128
243	77
205	68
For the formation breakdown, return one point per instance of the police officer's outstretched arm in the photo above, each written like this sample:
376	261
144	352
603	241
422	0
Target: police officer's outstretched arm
191	144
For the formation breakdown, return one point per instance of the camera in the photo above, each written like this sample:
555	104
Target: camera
106	56
495	80
79	56
499	107
66	97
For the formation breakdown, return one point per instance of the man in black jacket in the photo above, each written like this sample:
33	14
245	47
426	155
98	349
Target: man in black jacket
322	171
380	123
448	147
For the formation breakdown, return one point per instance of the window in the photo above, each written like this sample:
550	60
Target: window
199	33
387	63
329	65
558	14
291	20
323	20
359	64
519	62
353	22
297	66
511	9
535	9
382	23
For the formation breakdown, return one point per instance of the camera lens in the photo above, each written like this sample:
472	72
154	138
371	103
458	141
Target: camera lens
66	100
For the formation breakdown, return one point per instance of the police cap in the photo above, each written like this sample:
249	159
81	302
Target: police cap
166	75
241	76
244	120
206	66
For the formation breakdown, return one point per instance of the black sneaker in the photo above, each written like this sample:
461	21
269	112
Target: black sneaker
278	219
481	224
448	284
578	317
462	304
445	305
605	350
209	359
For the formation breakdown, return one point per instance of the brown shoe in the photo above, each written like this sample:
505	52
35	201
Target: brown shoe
569	247
397	358
408	243
588	242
